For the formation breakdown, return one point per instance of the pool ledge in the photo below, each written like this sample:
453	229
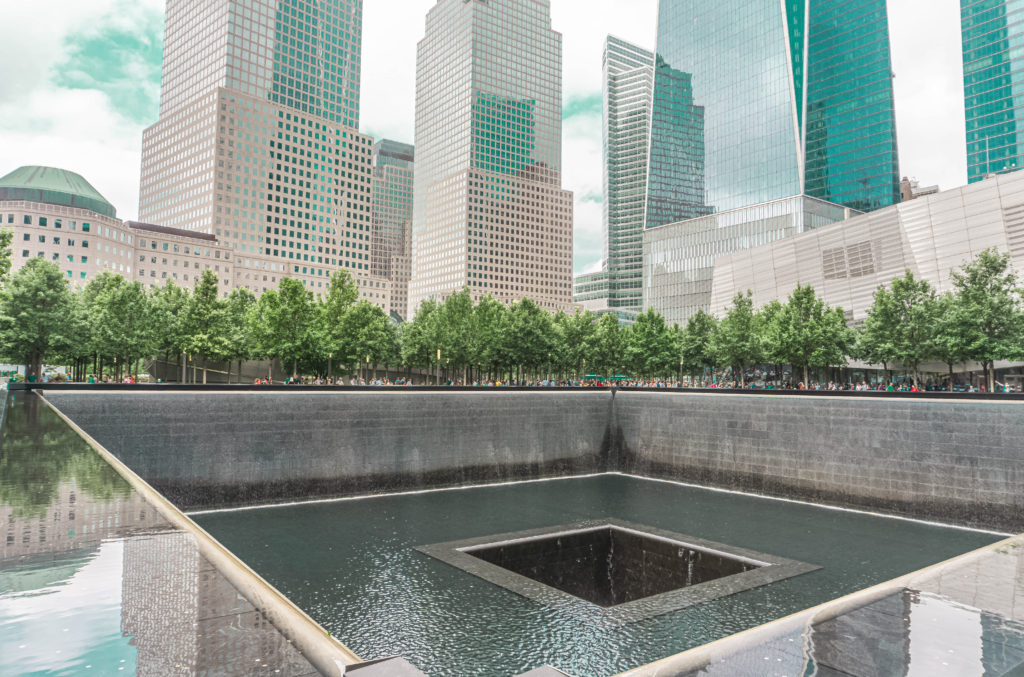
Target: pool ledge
323	651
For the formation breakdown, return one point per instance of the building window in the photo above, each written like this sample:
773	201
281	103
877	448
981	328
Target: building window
24	252
85	259
28	219
26	237
57	223
42	238
82	275
85	244
42	221
85	227
69	273
56	240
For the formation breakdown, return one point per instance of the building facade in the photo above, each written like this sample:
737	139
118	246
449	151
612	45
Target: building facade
489	211
628	83
257	141
760	101
680	259
993	68
391	246
845	263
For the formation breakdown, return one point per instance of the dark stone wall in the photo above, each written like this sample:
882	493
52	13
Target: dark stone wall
952	461
956	461
234	448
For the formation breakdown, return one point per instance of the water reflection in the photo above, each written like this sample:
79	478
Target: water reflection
93	579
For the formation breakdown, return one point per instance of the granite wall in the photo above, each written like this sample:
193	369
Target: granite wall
954	461
240	448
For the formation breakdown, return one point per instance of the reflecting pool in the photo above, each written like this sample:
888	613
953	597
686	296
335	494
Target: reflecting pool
353	566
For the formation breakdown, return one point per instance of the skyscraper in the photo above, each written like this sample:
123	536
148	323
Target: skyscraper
257	140
768	119
628	83
391	246
794	98
993	68
489	211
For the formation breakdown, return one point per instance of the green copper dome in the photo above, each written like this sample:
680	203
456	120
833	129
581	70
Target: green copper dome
54	186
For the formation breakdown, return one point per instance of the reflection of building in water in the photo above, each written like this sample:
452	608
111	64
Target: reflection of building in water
74	520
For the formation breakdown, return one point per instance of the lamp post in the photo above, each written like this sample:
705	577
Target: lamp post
366	371
680	371
437	376
330	356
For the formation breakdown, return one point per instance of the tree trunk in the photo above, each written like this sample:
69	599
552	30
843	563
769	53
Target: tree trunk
990	376
205	362
295	367
807	383
950	365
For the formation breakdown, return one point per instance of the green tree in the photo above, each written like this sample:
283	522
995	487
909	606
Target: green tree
768	319
901	324
330	316
367	336
122	323
650	346
205	322
574	336
6	236
697	350
490	347
810	334
737	341
454	330
281	323
419	337
239	343
167	305
990	303
529	336
949	343
609	346
33	309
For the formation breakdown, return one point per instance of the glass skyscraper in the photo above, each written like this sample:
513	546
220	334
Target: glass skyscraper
768	118
390	257
757	100
628	84
489	211
993	34
257	141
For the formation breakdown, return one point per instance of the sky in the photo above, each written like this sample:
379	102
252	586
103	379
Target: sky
81	80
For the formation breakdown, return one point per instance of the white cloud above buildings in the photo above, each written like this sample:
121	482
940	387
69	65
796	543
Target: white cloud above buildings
80	80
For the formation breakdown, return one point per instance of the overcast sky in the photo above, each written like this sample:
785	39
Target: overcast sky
80	80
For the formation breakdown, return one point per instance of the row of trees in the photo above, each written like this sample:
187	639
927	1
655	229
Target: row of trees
112	325
981	320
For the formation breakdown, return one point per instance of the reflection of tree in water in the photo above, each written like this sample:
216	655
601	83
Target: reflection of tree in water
39	452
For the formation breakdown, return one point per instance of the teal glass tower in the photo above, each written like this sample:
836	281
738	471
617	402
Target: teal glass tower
993	81
761	100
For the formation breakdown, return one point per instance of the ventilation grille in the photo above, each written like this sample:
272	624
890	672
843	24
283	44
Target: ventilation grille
1013	217
856	260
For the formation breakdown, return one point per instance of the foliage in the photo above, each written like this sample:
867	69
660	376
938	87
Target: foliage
810	334
651	347
34	307
901	324
737	340
696	343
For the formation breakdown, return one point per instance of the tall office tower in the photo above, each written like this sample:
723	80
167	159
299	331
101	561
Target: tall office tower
628	83
768	119
794	98
993	68
391	246
257	141
489	211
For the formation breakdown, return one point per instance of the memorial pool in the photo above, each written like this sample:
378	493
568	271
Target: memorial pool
353	566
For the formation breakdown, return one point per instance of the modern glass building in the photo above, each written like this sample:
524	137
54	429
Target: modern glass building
628	83
768	118
489	211
993	31
257	141
757	100
391	246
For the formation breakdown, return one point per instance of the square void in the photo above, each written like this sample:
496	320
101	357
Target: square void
632	571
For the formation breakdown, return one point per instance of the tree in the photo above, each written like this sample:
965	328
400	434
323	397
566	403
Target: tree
454	330
330	317
696	345
901	324
6	236
737	341
419	339
167	305
122	322
948	342
281	323
810	334
33	309
529	336
574	336
239	342
990	304
768	319
367	335
489	343
205	323
609	346
651	348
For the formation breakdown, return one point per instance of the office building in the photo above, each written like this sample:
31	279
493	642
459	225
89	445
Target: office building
768	119
931	236
489	211
391	244
628	83
993	68
257	141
